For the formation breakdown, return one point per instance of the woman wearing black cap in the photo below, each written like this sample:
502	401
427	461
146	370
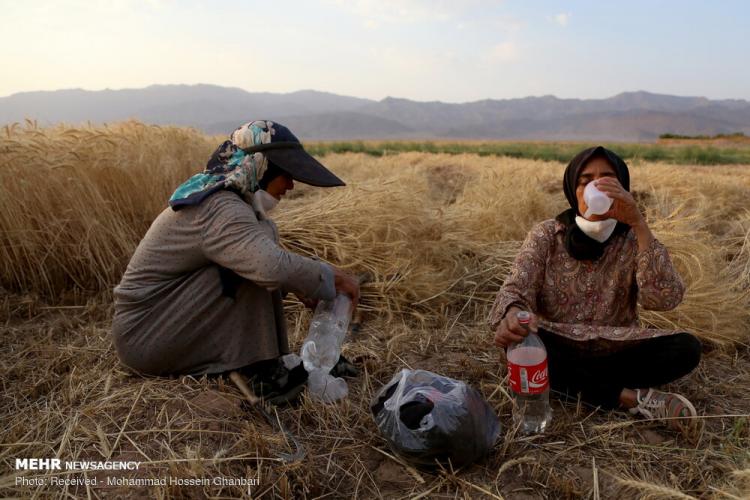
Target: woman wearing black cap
582	278
203	291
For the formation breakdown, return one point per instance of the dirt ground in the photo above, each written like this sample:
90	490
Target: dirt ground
65	394
437	234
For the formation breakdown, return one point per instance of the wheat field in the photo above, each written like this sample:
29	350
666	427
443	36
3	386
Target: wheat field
436	233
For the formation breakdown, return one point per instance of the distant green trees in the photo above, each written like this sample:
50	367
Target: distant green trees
702	137
694	154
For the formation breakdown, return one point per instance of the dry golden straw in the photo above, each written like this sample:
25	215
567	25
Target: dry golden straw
437	235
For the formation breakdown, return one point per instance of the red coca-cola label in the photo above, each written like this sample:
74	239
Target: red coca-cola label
531	379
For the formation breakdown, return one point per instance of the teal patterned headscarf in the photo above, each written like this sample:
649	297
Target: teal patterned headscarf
229	167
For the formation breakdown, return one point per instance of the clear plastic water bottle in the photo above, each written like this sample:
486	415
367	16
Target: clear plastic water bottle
322	348
529	381
597	201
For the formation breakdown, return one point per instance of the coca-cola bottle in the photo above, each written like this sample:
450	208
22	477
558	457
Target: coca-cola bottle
529	381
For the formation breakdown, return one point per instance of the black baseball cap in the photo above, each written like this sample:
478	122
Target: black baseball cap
286	152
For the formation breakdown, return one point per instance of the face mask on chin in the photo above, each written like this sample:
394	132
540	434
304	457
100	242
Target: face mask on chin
265	200
599	230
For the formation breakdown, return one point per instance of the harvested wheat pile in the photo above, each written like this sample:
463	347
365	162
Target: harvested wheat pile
75	202
436	234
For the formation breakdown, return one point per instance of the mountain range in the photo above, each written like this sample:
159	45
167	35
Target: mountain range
314	115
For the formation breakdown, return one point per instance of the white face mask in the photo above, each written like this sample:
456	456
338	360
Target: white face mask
599	230
265	200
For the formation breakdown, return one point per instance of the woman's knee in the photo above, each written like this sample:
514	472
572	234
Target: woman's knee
135	359
690	348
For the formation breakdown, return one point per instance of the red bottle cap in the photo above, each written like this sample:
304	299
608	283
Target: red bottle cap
523	317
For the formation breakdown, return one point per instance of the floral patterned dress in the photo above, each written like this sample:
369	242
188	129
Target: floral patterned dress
592	302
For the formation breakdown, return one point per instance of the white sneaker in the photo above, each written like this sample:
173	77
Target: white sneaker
657	405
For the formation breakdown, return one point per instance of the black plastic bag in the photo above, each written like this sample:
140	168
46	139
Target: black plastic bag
425	416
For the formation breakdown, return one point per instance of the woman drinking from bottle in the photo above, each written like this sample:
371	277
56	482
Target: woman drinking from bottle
582	276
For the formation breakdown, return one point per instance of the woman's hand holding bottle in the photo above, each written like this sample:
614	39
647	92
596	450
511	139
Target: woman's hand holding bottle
510	329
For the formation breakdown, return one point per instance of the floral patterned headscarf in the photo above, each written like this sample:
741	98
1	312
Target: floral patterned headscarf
229	167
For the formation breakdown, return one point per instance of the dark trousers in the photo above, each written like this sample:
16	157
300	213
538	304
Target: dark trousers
600	378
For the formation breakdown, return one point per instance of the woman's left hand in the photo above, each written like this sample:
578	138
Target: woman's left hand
309	303
624	208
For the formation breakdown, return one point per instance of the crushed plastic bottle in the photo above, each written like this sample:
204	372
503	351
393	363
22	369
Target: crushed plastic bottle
529	381
322	386
322	348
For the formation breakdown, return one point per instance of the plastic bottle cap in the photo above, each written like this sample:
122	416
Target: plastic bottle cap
523	316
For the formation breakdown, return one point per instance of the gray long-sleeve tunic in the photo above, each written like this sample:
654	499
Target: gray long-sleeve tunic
170	313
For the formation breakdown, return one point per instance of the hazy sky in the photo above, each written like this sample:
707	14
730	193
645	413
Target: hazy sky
456	50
